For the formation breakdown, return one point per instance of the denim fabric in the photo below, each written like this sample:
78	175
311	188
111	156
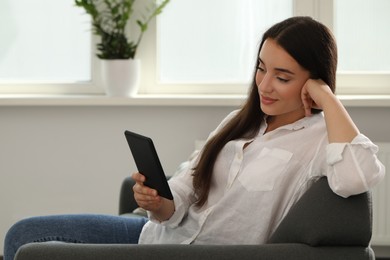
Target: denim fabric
94	229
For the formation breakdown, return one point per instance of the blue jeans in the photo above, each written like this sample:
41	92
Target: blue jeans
94	229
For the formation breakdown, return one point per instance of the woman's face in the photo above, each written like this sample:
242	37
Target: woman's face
279	80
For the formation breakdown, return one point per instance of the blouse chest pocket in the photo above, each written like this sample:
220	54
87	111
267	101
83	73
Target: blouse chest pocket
262	173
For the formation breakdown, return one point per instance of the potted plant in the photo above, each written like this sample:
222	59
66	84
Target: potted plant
109	21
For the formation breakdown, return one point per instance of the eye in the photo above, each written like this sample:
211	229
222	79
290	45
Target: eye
260	68
283	80
260	65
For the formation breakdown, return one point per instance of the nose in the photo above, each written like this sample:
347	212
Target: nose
263	81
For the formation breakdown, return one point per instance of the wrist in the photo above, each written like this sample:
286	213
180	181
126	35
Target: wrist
329	101
165	212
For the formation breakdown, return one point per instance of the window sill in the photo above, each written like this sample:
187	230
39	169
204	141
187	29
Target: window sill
165	100
103	100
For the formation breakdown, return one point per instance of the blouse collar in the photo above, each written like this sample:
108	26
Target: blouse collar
305	122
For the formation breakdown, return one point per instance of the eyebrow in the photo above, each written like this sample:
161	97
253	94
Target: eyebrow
279	69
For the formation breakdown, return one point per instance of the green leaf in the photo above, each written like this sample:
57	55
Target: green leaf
109	19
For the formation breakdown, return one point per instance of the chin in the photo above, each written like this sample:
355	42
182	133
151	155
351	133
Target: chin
269	112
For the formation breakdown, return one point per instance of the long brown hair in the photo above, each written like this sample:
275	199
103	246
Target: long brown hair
312	45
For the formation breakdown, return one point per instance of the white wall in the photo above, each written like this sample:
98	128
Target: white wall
56	160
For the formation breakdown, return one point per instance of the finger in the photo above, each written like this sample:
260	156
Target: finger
146	198
138	177
307	102
308	106
145	190
150	207
148	203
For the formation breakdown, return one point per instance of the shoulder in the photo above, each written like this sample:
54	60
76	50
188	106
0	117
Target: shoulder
316	123
231	115
227	119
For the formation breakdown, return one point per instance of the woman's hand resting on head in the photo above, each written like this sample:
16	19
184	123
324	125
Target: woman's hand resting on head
148	199
315	93
340	127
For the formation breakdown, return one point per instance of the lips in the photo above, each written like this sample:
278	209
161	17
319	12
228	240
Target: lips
267	100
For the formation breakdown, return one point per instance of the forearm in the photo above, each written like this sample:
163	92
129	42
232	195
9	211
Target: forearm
340	126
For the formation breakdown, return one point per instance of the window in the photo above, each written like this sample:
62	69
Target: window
216	48
196	46
212	51
363	42
219	47
45	46
362	35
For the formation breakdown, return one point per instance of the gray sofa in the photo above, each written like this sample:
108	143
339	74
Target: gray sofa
321	225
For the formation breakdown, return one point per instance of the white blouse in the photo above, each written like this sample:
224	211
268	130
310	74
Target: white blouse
253	188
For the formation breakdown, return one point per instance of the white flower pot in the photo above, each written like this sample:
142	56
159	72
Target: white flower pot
120	78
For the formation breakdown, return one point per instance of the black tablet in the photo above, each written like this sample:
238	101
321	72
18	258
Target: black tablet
148	163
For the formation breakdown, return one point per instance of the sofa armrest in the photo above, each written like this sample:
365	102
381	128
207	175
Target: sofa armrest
127	203
65	251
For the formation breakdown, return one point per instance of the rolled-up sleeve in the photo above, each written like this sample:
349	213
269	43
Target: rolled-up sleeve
353	168
183	195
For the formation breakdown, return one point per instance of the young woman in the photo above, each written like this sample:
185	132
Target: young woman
254	166
261	158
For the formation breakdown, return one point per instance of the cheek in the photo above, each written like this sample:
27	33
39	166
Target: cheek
292	93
